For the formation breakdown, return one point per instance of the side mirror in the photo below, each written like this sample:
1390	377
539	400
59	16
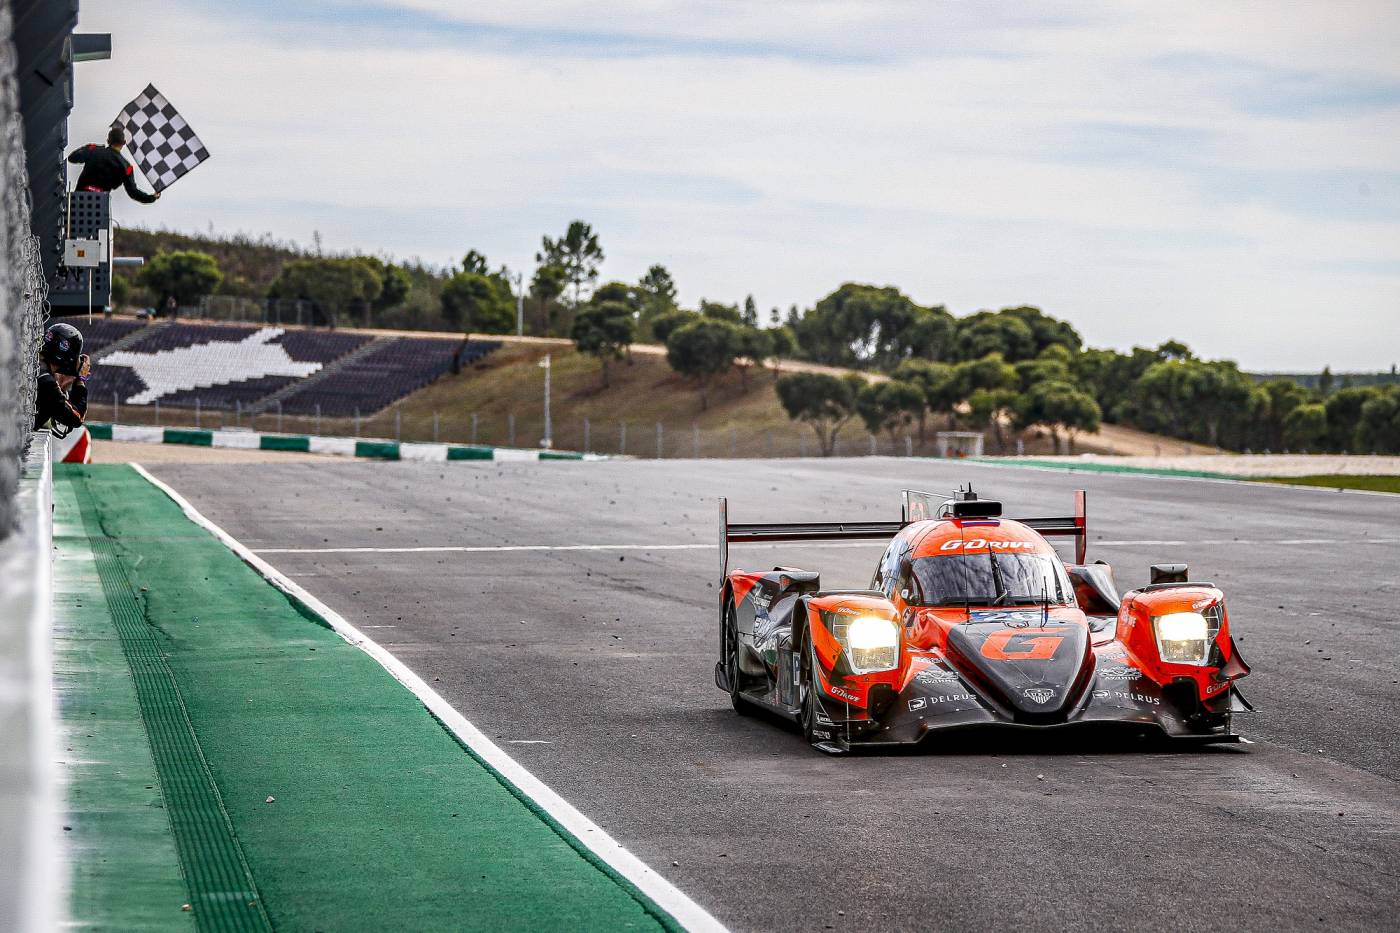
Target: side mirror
1168	573
905	594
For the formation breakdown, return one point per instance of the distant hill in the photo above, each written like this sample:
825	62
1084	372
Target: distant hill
1339	380
249	264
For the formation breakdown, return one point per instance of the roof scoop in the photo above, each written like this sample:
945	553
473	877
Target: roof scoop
965	504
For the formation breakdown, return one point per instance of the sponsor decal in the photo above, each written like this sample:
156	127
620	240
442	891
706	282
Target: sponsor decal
1100	694
1130	696
934	675
760	600
918	703
1120	673
1023	645
821	734
982	544
1041	695
1113	653
1215	688
841	693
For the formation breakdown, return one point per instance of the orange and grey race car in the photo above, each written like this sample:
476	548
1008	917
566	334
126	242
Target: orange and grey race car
973	622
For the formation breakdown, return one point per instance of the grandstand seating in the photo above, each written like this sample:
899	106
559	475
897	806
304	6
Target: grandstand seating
101	332
223	366
385	374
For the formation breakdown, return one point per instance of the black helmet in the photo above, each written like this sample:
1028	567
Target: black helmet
63	344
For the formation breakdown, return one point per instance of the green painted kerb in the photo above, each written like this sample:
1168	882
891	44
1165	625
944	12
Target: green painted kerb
284	442
377	450
354	808
1098	467
560	455
100	432
471	453
194	438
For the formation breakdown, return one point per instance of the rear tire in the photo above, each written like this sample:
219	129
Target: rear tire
732	671
809	700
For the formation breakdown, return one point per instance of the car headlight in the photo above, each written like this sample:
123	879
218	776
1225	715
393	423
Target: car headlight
1185	637
872	644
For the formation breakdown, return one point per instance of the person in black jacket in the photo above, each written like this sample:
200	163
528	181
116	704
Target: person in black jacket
64	368
106	169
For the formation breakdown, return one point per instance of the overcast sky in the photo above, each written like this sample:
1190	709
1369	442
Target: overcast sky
1226	174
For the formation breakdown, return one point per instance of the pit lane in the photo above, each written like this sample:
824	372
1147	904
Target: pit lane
594	667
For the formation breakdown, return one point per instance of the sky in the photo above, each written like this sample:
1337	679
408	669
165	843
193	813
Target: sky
1226	174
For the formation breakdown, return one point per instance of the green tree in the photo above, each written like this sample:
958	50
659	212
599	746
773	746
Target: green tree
335	285
546	287
578	253
1305	427
701	350
394	283
990	408
1325	381
988	332
1048	331
754	345
1272	402
933	380
1344	415
890	406
1057	406
719	311
475	262
1378	429
822	401
656	294
865	326
188	275
605	329
478	303
663	326
1194	400
750	312
784	344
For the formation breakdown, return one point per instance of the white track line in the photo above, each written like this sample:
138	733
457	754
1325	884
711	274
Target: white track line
494	548
666	895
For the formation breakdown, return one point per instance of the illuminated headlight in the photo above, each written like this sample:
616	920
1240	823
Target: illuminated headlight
872	644
1185	637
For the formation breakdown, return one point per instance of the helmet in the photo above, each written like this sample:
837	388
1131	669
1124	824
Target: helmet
63	345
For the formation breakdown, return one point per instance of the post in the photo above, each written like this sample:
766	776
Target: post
157	412
196	411
908	446
520	304
768	443
873	449
318	417
473	427
398	425
695	439
510	429
357	422
435	427
587	434
622	437
658	440
237	413
279	416
548	440
733	442
802	445
116	408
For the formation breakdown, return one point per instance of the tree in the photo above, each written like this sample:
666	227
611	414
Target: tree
989	408
1305	427
1057	405
822	401
1378	428
1343	412
546	286
474	262
187	275
750	312
1048	331
335	286
701	350
1271	403
862	325
718	311
754	346
1194	400
577	252
988	332
656	294
478	303
394	283
784	344
933	380
889	406
665	325
605	329
1325	381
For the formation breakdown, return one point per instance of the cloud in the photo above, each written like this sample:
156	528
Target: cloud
1209	173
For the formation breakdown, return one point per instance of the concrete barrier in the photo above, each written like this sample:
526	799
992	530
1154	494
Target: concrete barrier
31	877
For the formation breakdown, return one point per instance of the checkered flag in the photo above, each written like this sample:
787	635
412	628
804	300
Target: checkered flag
160	141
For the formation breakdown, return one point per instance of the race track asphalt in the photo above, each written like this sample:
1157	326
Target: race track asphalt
595	669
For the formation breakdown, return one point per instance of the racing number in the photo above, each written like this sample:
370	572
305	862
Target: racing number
1030	648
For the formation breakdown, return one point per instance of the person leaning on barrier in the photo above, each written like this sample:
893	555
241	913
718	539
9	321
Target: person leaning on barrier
63	373
106	169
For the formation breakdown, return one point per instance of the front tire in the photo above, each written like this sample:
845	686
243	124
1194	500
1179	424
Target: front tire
732	671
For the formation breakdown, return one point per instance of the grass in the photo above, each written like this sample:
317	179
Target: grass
1341	481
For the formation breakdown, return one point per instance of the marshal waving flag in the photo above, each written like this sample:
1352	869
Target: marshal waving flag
161	143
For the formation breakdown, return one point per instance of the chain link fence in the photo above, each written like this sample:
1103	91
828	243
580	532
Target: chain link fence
23	300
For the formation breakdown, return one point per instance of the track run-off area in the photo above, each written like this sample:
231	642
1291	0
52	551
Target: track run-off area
568	610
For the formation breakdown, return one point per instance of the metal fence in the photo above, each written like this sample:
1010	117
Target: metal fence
22	289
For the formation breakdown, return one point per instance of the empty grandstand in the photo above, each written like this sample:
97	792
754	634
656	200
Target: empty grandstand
230	367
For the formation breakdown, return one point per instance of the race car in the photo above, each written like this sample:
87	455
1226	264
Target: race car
973	622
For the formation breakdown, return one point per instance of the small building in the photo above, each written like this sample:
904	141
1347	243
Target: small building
959	443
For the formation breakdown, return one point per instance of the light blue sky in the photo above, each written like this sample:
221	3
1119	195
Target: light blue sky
1226	174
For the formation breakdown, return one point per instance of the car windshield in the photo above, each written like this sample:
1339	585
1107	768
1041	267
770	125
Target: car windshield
989	579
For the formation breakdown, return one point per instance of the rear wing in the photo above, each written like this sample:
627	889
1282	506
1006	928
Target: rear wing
916	506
